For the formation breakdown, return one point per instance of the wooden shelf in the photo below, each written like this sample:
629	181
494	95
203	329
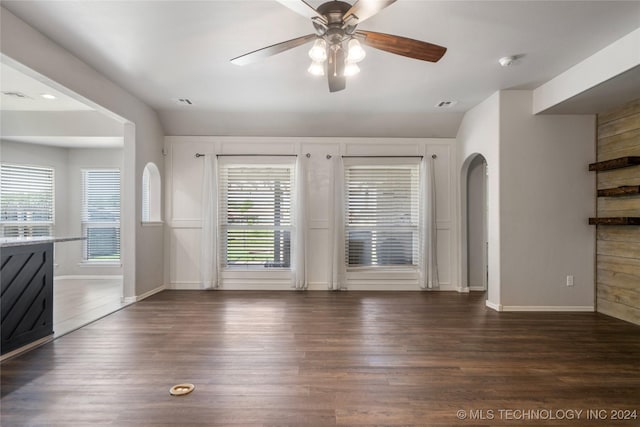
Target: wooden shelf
621	162
620	220
625	190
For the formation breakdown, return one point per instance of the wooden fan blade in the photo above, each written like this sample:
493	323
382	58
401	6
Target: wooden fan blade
335	70
301	7
365	9
403	46
275	49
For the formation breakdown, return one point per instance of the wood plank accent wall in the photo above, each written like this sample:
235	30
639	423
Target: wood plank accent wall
618	247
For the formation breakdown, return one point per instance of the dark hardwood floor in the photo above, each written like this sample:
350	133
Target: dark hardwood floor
325	359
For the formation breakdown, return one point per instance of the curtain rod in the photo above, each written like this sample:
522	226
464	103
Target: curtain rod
250	155
433	156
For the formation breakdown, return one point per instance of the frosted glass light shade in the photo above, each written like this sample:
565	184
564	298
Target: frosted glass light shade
318	53
316	68
356	52
351	69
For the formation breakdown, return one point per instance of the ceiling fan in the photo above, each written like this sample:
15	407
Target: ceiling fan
337	48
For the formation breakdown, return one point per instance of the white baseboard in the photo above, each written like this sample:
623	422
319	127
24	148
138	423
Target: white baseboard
579	308
184	286
540	308
463	290
313	286
384	288
131	300
89	277
195	286
493	305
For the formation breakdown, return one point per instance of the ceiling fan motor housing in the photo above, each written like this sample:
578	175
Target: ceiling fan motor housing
334	31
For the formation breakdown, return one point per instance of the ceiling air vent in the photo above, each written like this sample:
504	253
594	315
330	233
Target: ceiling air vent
446	104
16	94
183	101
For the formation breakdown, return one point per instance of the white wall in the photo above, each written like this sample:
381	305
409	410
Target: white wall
67	164
547	196
143	138
311	124
479	133
540	196
183	192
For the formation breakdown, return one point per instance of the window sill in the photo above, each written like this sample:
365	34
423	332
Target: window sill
117	264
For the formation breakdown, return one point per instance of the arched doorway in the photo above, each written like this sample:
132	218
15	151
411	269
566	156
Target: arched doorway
477	243
474	236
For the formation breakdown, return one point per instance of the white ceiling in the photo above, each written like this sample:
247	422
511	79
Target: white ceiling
162	50
12	80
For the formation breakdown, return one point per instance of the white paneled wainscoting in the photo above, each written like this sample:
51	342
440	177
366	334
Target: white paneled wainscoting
183	189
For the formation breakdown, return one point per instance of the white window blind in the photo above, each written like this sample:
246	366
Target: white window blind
101	214
381	214
255	215
26	200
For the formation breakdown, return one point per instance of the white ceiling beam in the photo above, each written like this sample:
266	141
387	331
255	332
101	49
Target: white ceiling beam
615	59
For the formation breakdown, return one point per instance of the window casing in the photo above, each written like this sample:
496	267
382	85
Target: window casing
101	215
27	200
381	213
255	213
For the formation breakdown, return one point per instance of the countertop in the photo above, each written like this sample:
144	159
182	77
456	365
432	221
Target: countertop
21	241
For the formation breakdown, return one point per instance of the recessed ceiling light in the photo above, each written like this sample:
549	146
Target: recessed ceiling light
47	96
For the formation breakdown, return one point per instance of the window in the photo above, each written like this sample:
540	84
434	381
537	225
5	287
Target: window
381	213
151	193
255	214
101	215
26	200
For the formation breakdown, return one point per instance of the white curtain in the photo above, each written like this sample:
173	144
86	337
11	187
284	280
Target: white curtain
428	239
299	238
209	262
337	279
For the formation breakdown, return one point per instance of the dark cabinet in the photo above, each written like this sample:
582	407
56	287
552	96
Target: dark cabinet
27	294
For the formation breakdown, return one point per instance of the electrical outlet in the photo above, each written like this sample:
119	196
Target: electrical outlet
569	280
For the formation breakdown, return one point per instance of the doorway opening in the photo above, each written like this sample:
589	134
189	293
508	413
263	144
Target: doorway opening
85	147
475	245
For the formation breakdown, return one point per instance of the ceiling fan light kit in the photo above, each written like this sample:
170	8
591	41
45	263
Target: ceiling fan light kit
318	53
356	52
351	69
316	68
335	24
